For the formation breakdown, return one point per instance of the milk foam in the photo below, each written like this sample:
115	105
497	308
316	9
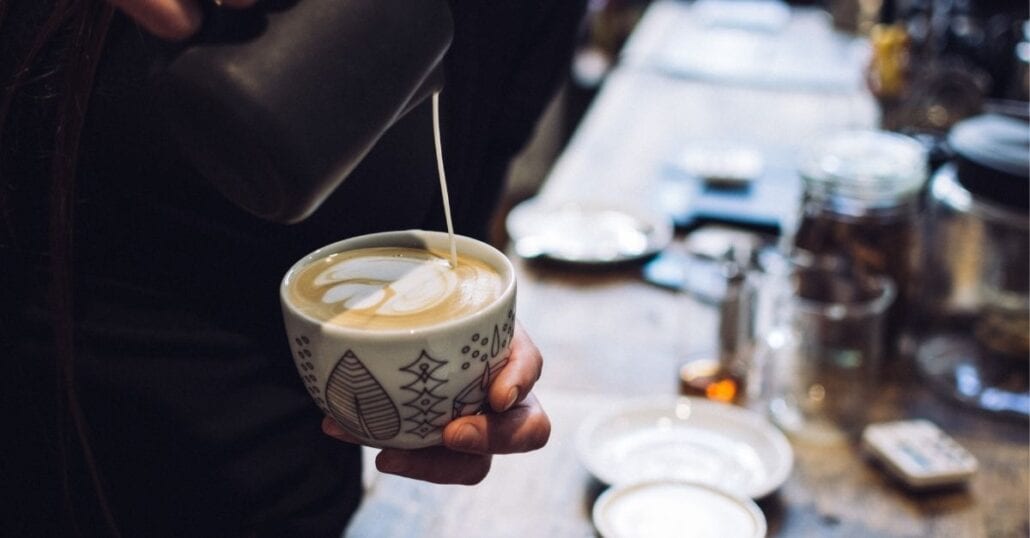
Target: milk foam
389	288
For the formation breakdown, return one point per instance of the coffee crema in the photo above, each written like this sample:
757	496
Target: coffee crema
393	288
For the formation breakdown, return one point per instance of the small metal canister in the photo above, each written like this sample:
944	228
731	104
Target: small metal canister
861	207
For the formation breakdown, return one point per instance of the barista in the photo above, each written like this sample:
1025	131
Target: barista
149	381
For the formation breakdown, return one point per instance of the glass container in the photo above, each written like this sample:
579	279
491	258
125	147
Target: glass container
861	206
974	298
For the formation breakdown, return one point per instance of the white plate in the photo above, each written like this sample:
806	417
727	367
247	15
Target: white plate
586	233
687	439
666	508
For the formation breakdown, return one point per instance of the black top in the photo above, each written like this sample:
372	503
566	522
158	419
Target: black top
198	420
992	153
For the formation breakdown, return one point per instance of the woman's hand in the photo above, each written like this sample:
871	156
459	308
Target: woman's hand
173	20
516	424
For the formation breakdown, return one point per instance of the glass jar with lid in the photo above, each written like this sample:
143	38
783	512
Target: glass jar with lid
974	294
861	208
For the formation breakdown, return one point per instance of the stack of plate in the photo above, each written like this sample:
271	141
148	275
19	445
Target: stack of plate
682	466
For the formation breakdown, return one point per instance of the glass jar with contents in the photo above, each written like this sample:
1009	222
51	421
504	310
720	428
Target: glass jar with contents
861	207
974	297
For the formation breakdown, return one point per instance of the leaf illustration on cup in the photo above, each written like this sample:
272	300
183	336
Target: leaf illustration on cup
359	402
471	397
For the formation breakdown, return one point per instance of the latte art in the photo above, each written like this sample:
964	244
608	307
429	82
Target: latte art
393	287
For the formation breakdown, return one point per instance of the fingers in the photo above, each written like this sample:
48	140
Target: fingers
435	464
334	430
173	20
517	378
168	19
523	428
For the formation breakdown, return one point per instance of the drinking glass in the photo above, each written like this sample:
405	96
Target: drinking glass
824	353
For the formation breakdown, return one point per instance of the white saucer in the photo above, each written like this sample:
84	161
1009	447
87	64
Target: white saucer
687	439
670	508
586	233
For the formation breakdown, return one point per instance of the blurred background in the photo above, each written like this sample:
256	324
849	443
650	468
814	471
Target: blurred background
966	57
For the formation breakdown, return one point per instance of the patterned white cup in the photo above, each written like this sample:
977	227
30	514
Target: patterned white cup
399	388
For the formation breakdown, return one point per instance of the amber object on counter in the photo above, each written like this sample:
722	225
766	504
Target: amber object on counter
707	377
889	65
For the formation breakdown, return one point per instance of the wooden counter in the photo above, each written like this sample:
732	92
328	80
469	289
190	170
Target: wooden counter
607	336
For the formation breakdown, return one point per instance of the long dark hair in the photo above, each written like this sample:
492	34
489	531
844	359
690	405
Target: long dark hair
73	34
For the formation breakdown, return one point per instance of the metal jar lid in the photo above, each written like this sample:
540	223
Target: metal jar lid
992	154
858	172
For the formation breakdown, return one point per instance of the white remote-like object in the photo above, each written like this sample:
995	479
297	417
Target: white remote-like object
919	453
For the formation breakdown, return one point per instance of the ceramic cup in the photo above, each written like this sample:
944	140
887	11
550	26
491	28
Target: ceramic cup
398	388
